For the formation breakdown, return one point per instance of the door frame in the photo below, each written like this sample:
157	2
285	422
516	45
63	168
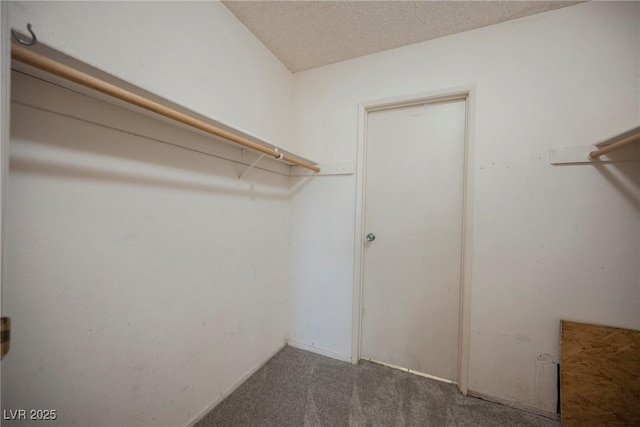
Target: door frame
468	94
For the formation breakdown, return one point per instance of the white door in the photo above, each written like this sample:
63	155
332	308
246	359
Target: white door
413	207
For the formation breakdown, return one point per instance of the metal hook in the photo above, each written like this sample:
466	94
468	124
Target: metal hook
31	42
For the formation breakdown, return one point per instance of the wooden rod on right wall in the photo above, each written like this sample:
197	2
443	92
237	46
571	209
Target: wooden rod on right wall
615	146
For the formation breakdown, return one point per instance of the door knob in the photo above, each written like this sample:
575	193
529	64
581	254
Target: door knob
371	237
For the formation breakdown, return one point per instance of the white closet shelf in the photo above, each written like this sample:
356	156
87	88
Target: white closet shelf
43	65
604	151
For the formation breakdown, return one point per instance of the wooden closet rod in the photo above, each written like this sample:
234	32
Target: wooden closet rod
34	59
615	146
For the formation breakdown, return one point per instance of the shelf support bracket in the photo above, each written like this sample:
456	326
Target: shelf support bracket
260	157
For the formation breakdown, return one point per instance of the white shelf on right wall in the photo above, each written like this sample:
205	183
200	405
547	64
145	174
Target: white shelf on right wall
580	154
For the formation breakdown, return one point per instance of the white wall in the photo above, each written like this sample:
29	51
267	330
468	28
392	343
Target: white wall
144	281
551	242
196	54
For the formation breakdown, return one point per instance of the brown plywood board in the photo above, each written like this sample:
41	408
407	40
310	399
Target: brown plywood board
600	375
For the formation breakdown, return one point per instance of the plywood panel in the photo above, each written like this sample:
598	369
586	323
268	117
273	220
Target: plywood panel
600	375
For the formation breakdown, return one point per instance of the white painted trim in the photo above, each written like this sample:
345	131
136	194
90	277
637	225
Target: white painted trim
464	92
433	97
233	387
467	243
421	374
5	96
345	168
580	155
515	405
317	350
358	259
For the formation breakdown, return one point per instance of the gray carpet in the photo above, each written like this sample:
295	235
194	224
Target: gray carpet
299	388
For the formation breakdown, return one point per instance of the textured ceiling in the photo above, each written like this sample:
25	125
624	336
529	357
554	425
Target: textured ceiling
308	34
